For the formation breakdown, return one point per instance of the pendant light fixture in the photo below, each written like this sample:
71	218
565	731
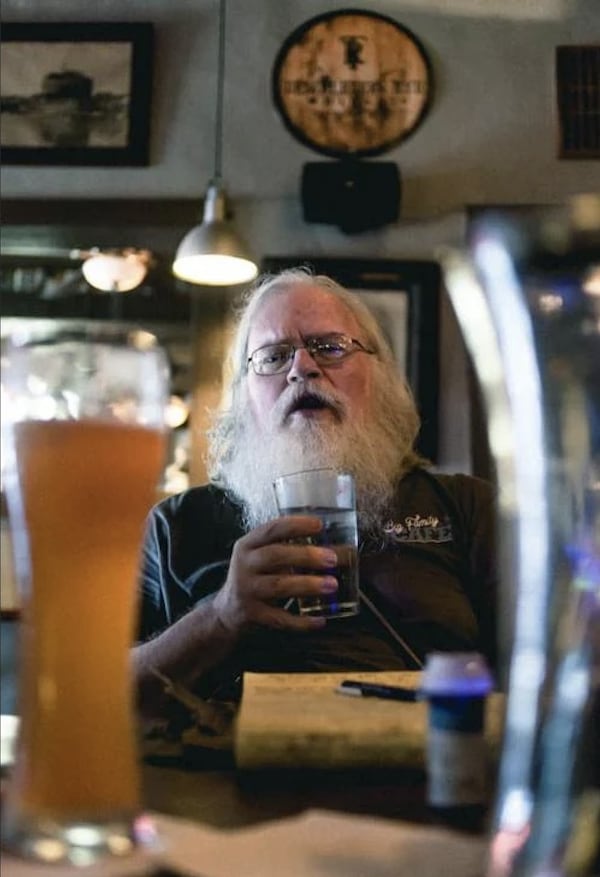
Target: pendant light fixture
115	270
212	254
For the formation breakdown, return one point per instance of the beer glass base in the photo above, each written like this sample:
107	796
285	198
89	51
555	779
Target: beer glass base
77	842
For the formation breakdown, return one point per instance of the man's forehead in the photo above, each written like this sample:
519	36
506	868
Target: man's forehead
301	310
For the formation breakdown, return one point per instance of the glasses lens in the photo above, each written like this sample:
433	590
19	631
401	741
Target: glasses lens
271	359
331	347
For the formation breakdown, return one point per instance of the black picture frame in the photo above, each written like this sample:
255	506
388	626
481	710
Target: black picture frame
76	93
405	295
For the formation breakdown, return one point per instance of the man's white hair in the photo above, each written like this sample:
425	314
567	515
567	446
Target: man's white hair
378	452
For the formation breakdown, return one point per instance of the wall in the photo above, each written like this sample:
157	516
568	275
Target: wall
490	136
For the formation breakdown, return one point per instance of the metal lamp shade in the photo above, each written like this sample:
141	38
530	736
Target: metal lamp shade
212	254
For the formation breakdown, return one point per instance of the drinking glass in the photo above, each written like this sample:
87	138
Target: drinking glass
84	414
527	296
330	496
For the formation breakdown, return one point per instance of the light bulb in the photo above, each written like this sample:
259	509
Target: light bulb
112	272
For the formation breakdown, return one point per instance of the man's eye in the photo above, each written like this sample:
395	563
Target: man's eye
331	348
272	357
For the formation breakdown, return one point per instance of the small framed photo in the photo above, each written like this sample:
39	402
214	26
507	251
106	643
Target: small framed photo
578	101
75	93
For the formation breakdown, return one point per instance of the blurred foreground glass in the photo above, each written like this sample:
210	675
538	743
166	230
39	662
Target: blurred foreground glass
527	297
85	446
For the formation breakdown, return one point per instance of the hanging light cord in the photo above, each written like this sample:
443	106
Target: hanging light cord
220	91
211	254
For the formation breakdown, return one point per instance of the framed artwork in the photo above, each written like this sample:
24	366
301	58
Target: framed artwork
75	94
404	296
352	82
577	101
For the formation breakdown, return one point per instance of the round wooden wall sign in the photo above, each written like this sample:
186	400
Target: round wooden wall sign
352	83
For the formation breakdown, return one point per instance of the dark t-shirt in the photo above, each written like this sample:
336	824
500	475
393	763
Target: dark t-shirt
430	572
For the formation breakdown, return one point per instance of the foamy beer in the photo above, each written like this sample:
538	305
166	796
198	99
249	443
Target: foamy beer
86	448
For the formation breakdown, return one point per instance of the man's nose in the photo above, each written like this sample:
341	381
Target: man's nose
303	367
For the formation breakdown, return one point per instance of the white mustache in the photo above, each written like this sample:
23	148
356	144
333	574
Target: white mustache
290	398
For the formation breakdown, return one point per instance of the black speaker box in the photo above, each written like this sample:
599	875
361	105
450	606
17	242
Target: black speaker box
354	195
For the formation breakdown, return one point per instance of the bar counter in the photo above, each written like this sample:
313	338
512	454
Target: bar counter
206	801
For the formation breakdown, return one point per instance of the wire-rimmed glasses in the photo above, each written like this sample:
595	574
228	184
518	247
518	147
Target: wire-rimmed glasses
273	359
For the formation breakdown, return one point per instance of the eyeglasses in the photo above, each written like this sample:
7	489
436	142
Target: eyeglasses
272	359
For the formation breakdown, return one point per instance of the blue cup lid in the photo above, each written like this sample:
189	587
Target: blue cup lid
456	673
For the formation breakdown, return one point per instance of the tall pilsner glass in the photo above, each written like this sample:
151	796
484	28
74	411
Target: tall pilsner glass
86	447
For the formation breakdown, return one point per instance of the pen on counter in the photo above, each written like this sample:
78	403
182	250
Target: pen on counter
354	688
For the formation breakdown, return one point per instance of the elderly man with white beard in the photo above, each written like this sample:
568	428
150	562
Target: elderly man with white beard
313	383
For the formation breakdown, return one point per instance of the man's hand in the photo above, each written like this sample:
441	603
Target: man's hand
263	574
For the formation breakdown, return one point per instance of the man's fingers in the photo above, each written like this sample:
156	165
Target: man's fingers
282	529
286	556
277	587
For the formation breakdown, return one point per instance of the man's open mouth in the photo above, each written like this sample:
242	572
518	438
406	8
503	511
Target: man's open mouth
312	402
309	403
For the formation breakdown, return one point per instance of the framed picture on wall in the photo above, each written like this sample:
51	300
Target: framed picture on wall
75	94
577	101
404	296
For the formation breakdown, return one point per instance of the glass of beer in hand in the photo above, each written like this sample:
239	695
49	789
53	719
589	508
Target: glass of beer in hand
85	442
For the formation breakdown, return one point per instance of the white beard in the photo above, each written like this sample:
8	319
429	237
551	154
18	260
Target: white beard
335	441
266	458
